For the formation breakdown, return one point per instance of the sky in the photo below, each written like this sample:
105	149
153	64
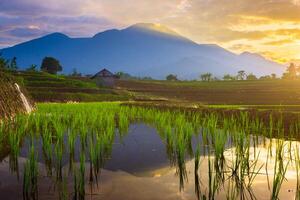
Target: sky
268	27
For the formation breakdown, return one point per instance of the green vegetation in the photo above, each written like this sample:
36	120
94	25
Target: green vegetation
231	144
30	182
51	65
171	77
206	77
59	88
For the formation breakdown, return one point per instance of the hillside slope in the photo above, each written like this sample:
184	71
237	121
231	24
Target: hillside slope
44	87
141	50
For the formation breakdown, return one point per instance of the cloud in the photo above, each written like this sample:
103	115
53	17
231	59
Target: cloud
26	32
279	42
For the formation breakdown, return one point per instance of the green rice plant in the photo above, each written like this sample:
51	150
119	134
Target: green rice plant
81	184
219	139
47	150
96	125
123	122
181	168
58	160
79	179
71	144
14	139
30	178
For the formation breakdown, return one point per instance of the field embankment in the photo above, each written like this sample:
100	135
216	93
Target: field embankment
260	92
13	98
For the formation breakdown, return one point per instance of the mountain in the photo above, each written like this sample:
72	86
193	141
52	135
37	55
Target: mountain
141	50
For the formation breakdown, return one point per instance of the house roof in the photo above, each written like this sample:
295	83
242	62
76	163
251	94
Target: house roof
104	73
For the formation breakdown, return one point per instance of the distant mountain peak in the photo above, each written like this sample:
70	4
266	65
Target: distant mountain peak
111	31
56	35
153	27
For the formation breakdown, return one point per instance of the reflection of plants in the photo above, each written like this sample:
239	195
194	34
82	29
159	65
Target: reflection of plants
297	165
197	179
213	183
279	170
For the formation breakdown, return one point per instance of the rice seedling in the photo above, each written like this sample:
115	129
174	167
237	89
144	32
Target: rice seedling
88	130
81	181
58	160
47	150
30	177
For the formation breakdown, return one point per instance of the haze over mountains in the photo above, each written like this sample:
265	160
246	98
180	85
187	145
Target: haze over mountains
141	50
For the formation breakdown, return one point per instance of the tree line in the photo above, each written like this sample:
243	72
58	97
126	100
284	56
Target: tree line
49	64
292	72
52	65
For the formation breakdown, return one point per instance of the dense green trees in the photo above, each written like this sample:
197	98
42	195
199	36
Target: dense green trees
228	77
292	72
4	64
13	64
51	65
171	77
251	77
206	77
8	64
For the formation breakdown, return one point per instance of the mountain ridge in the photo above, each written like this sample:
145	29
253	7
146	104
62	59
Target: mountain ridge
140	49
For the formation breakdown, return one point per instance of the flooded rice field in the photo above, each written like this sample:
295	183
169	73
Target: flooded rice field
113	151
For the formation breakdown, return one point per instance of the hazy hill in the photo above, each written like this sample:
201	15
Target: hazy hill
141	49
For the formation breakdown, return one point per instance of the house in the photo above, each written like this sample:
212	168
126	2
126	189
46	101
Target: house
105	78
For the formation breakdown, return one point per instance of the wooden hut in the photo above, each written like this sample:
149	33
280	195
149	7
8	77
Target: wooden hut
105	78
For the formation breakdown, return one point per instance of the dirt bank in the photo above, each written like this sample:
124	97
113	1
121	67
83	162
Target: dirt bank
13	98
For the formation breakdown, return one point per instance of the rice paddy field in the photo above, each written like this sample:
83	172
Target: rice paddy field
123	151
257	92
